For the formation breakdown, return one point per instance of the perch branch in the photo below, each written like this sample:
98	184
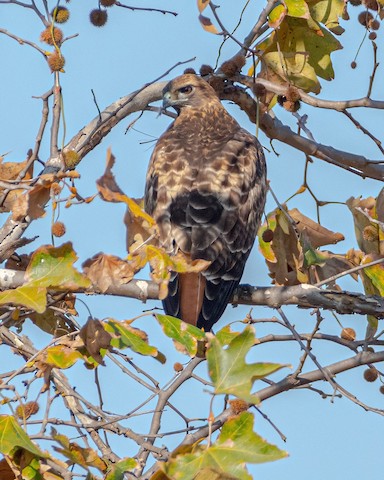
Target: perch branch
304	296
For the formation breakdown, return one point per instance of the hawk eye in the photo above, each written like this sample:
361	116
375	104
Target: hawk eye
187	89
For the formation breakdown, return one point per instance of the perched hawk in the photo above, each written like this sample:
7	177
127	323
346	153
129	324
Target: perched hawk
206	187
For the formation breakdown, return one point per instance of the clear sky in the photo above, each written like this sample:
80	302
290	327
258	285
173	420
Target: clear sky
325	439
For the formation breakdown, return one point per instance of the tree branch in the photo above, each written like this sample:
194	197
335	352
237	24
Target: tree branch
304	295
290	383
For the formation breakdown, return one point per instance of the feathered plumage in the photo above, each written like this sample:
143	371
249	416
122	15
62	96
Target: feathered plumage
206	188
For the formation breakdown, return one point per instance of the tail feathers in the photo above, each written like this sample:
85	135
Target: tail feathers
196	300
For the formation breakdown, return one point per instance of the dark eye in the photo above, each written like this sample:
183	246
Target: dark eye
187	89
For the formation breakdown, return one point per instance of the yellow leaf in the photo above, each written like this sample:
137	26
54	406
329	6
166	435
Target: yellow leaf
276	17
202	4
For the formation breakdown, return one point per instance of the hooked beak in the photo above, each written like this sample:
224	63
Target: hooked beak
167	102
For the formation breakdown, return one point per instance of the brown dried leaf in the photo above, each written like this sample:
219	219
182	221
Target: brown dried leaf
105	271
333	265
362	210
31	203
140	225
317	234
95	338
106	185
288	268
11	171
54	322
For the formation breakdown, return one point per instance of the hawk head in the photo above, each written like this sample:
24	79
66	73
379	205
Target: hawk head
188	91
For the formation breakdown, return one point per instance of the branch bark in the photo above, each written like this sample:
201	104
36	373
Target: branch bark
304	295
93	133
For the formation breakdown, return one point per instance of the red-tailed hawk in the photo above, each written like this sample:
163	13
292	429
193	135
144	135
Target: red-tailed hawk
206	188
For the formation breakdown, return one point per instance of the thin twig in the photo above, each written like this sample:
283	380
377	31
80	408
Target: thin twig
349	271
146	9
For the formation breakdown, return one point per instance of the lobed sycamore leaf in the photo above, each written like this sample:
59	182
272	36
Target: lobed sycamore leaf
187	337
299	52
123	336
49	267
236	445
106	271
328	12
53	267
228	369
12	437
226	335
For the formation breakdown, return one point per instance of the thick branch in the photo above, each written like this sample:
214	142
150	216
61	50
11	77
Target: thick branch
93	133
275	129
304	296
290	383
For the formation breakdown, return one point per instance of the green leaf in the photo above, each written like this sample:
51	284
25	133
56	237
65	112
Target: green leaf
375	273
328	13
229	371
133	338
226	335
297	8
61	356
53	267
299	52
266	247
187	336
236	445
116	471
49	267
276	16
13	436
29	295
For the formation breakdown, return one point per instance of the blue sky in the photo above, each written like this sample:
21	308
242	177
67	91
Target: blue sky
324	439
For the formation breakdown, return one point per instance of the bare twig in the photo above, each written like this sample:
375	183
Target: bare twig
146	9
349	271
364	130
23	41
